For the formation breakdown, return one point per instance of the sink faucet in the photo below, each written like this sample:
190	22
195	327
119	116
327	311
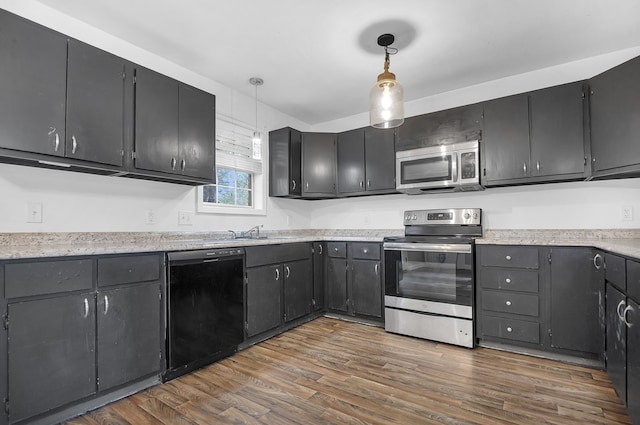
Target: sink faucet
233	234
253	233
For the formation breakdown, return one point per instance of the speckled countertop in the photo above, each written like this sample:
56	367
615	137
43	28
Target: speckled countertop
37	245
619	241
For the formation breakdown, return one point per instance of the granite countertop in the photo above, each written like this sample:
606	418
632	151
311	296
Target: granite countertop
38	245
619	241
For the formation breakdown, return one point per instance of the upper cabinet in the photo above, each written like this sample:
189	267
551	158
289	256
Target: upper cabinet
366	161
536	137
318	165
441	128
615	127
285	166
66	103
174	127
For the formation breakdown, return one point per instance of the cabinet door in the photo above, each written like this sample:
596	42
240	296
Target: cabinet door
298	288
95	105
264	299
576	293
196	133
557	131
380	159
51	353
337	284
319	255
128	334
633	360
366	287
156	122
506	139
33	86
616	341
285	162
615	129
351	170
319	164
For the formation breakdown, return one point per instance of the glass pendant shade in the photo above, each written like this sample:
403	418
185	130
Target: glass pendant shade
386	103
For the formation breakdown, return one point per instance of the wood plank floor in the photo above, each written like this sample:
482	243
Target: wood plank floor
335	372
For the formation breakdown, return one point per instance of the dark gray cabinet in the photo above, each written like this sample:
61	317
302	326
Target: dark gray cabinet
445	127
354	279
366	161
51	353
577	288
615	129
285	165
279	285
318	165
174	127
319	264
616	340
633	361
536	137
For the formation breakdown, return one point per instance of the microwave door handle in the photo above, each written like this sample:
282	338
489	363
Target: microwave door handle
454	166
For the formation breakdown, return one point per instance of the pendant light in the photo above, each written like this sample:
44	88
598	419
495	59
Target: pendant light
386	103
257	138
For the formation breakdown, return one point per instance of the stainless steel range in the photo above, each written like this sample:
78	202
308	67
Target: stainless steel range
429	275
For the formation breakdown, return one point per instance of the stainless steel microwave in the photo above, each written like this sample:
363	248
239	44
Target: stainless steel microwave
439	168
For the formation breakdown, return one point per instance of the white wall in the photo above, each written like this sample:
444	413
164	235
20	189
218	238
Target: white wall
80	202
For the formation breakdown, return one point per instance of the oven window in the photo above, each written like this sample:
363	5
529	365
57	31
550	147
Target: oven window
433	276
430	169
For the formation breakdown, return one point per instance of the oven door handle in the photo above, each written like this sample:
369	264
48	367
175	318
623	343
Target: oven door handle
428	247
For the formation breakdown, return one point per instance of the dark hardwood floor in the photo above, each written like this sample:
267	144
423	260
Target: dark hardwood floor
335	372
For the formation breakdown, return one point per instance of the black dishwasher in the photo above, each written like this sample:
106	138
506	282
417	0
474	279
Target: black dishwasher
205	308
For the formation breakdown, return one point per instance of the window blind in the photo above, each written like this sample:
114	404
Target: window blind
235	148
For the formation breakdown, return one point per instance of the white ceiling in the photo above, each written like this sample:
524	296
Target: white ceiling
319	58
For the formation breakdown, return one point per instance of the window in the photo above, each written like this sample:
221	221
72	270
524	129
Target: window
240	178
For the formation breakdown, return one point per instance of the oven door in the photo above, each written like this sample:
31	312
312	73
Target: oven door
416	170
430	272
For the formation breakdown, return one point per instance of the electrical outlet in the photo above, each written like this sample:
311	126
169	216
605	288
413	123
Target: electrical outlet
626	213
185	218
150	217
34	212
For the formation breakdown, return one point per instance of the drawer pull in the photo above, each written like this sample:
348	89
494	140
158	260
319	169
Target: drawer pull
365	250
335	249
508	280
509	329
508	302
508	257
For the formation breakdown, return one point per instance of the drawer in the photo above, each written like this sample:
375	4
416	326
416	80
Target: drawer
47	277
337	249
633	279
128	269
513	329
511	302
525	257
615	270
510	279
365	251
276	254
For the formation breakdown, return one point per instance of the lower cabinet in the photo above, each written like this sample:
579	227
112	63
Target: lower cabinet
354	278
544	298
78	327
319	264
279	285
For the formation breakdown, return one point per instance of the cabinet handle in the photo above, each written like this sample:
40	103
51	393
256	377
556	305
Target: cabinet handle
86	308
307	186
57	143
508	302
173	163
595	261
277	274
335	249
508	280
183	165
621	304
508	258
369	183
106	304
293	187
320	249
509	329
288	270
361	184
74	144
376	268
537	165
524	168
365	251
624	316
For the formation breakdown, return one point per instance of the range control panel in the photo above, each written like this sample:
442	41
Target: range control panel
453	216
